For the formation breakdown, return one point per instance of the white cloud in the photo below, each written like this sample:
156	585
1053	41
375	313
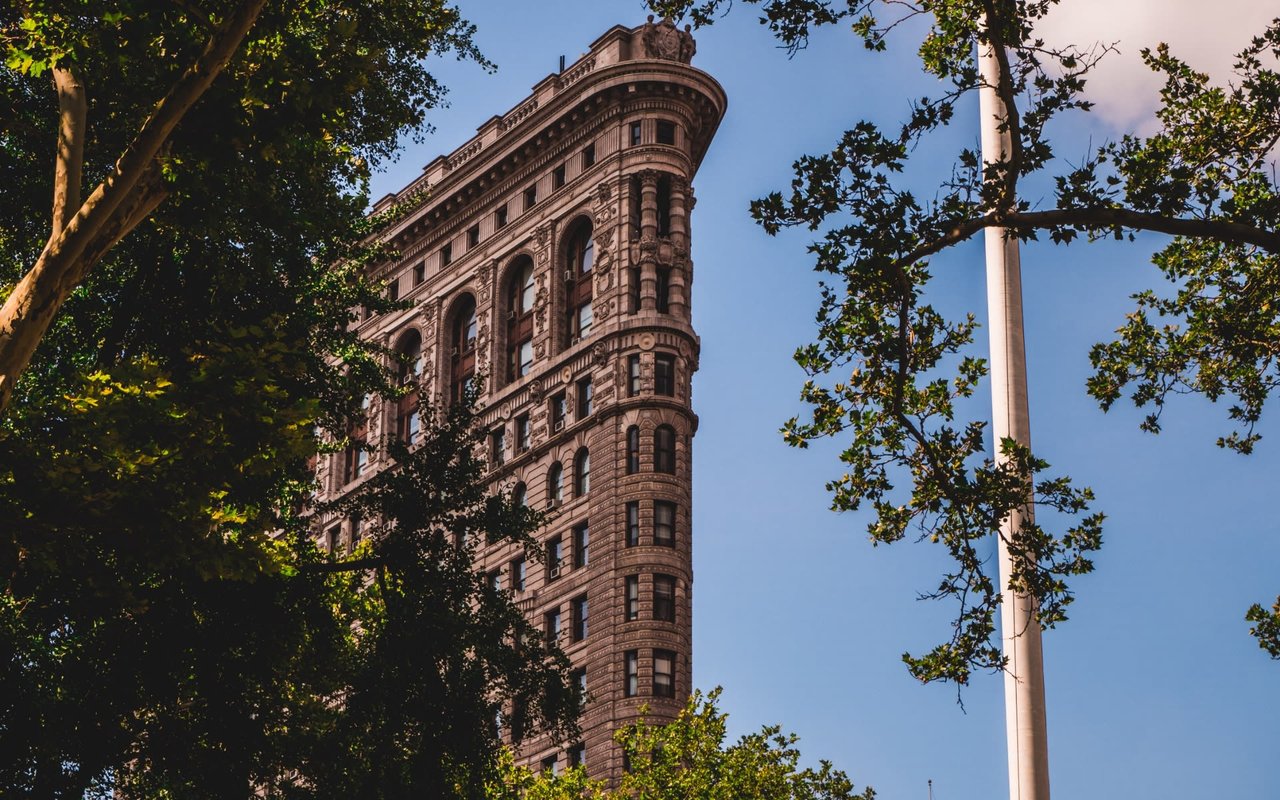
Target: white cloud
1206	35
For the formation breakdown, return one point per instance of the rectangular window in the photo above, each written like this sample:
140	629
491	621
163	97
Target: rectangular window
664	374
558	409
446	255
331	538
578	755
521	359
664	206
579	679
664	673
664	523
663	300
633	292
549	765
555	551
585	396
633	375
633	214
517	569
582	322
530	197
589	155
498	441
353	540
473	236
419	272
635	134
551	624
500	218
578	607
557	177
664	598
393	289
522	433
581	543
666	132
519	721
495	580
631	665
356	457
633	524
633	598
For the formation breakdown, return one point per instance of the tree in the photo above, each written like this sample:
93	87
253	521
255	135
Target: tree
892	373
435	651
687	759
327	81
158	635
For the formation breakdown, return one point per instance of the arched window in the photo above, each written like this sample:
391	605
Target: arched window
555	484
582	473
408	370
520	296
462	340
633	450
664	449
580	254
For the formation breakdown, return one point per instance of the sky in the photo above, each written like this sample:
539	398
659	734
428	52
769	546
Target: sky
1154	687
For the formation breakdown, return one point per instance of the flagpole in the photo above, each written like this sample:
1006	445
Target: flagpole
1025	726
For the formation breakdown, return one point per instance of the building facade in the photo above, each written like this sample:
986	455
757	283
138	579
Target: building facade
550	253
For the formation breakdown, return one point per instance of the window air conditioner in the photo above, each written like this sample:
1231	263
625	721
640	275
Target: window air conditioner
553	572
559	426
551	503
568	276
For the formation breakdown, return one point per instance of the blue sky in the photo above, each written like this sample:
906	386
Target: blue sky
1155	688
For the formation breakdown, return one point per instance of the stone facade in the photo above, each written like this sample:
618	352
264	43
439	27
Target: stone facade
551	253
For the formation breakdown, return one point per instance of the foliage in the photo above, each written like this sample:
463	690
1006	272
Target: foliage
687	759
891	372
1266	627
157	635
436	651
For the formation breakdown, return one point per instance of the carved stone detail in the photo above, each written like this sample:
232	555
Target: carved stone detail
663	40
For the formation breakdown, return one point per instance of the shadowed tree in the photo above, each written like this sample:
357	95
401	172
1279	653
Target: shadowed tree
186	336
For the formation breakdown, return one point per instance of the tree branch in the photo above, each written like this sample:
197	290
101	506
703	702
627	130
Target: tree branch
332	567
1220	230
31	306
69	156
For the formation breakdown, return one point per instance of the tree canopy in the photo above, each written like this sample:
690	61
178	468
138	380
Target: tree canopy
688	759
891	374
165	623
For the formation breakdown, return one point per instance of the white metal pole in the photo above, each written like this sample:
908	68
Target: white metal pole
1025	726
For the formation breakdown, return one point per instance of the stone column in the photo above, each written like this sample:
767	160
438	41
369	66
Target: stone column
648	240
679	299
